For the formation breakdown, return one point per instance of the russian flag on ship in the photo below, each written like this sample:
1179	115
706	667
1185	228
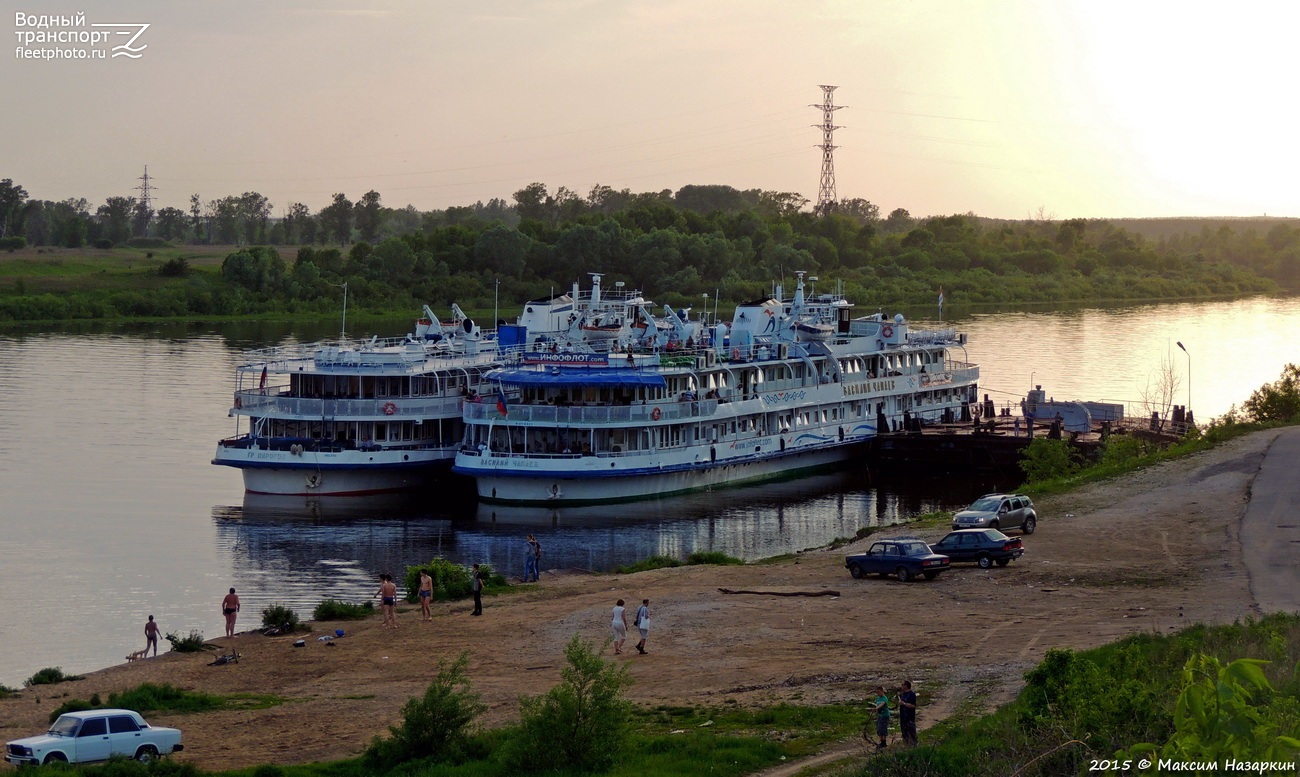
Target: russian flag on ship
501	402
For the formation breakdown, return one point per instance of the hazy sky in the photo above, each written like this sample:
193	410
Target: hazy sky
1086	108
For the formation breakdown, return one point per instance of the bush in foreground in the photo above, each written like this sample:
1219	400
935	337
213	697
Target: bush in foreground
434	725
579	724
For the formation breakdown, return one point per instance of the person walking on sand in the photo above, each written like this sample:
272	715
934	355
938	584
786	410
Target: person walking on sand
230	609
476	584
907	713
387	594
881	707
643	624
426	594
530	559
151	636
620	627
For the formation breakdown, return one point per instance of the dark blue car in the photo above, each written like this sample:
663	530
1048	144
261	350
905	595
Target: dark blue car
904	557
985	547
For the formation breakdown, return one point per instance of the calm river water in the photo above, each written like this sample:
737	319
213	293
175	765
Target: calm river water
110	510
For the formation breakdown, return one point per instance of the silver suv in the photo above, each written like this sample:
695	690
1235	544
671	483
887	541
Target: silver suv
998	511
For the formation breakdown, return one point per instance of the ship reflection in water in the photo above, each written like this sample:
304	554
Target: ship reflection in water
299	551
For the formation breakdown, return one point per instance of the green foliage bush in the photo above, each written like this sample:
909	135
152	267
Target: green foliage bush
664	562
49	676
278	616
1277	402
1226	713
1122	697
578	724
646	564
6	691
713	557
436	725
191	643
178	267
148	697
450	581
12	243
336	610
1047	459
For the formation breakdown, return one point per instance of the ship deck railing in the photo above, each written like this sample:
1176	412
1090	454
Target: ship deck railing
272	402
313	445
487	410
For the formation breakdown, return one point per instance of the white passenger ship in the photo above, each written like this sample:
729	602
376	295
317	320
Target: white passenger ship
793	386
356	417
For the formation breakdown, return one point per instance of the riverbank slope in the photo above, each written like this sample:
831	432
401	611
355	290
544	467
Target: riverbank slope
1152	551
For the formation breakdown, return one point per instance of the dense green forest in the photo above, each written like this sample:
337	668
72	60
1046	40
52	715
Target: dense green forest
678	247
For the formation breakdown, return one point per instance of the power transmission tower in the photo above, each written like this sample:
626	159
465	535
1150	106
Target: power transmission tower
826	193
146	199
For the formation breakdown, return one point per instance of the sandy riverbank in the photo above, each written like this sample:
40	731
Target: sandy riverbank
1150	552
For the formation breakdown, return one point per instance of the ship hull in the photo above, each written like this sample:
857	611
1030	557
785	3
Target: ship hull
345	473
559	486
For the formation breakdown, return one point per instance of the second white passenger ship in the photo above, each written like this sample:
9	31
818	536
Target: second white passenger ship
792	386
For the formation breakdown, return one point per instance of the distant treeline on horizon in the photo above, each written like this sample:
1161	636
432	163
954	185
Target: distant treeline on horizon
695	246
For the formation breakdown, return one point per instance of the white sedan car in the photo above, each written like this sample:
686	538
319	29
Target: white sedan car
95	735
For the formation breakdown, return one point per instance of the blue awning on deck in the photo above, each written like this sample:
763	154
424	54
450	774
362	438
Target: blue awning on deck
577	376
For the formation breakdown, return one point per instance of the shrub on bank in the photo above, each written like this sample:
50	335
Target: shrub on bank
278	616
1079	706
191	643
665	562
578	724
434	725
49	676
338	610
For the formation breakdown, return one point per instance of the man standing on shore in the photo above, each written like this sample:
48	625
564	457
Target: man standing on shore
151	636
476	585
907	713
230	609
387	594
530	559
426	594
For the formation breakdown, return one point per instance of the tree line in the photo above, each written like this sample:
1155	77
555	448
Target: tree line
712	240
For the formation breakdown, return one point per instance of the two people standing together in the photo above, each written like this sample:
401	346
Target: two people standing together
533	560
906	714
642	622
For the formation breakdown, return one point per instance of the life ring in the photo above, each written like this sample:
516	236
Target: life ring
735	354
389	408
656	414
239	402
887	330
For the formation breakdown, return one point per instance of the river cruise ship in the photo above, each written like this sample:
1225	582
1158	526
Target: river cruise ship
790	386
356	417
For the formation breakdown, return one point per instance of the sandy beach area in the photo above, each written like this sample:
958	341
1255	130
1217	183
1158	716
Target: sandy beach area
1151	552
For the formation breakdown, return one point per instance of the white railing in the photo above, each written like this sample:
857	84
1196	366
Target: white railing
612	414
257	403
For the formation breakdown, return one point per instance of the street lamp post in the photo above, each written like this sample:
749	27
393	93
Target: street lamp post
1182	348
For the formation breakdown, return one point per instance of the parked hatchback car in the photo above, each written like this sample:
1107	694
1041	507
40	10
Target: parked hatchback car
998	511
985	547
904	557
95	735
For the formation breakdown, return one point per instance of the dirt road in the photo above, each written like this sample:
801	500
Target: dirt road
1151	552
